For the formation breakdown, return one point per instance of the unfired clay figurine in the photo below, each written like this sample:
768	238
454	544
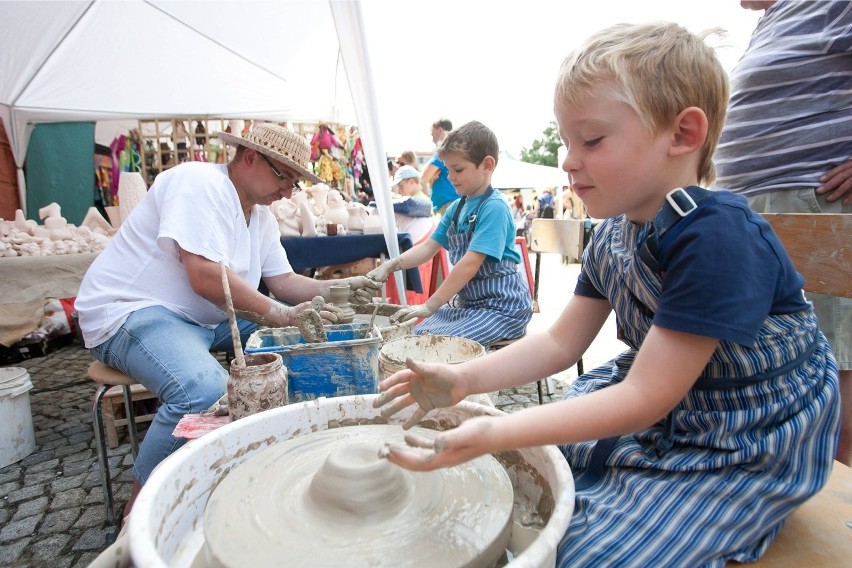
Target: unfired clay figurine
286	211
308	219
336	212
131	190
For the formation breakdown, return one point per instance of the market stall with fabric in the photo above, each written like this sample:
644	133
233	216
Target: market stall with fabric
93	61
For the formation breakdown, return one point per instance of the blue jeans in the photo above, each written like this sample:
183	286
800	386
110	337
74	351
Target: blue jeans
171	357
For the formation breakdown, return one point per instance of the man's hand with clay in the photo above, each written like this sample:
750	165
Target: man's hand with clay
429	385
282	315
361	289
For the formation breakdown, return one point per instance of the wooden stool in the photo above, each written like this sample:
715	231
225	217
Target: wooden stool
114	414
819	532
108	378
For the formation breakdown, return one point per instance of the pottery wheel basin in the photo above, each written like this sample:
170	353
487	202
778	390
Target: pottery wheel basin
168	525
322	498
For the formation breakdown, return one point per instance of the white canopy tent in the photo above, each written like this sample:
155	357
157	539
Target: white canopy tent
512	173
72	61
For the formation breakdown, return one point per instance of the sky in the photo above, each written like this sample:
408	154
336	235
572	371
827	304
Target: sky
496	61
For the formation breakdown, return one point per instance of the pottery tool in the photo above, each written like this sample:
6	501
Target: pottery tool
232	318
373	318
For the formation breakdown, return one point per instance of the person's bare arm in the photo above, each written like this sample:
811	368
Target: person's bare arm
428	177
534	357
461	273
665	368
294	288
414	256
249	304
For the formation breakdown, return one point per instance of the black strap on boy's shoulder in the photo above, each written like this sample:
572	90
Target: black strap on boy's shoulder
679	203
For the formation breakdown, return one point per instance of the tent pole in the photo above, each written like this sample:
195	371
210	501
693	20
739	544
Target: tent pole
349	23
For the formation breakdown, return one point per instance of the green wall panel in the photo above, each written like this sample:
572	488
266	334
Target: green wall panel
60	168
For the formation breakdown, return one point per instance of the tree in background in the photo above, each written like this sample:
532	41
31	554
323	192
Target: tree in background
544	150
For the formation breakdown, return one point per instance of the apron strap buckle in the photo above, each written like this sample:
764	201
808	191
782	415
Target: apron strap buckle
681	201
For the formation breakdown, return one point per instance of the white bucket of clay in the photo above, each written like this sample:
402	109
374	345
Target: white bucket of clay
17	437
389	331
166	527
430	349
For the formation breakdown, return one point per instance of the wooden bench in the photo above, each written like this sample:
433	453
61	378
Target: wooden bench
819	533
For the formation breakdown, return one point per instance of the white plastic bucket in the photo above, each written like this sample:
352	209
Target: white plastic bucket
389	331
430	349
427	348
17	437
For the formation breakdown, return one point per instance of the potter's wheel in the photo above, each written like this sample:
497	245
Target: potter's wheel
327	499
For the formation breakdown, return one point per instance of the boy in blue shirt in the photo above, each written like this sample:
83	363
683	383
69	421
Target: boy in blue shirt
483	297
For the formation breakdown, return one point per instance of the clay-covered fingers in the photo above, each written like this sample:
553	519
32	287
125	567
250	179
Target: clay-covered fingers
415	459
378	275
391	392
415	418
361	289
432	384
362	283
397	405
452	447
418	442
471	439
361	296
331	313
402	315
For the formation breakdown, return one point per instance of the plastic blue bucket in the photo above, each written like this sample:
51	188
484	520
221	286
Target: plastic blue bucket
347	364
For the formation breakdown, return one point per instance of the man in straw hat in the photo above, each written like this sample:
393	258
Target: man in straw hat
152	304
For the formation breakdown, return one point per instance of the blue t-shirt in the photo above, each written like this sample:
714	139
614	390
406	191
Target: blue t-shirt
442	190
493	233
546	200
723	272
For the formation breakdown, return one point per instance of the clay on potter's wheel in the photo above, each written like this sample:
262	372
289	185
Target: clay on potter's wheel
327	499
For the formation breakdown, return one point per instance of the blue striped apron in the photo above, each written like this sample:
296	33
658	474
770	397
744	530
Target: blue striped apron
495	304
717	478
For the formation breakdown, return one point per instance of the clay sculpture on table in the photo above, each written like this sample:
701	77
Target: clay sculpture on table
23	237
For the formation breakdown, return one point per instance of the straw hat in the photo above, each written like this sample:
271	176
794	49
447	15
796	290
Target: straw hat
280	144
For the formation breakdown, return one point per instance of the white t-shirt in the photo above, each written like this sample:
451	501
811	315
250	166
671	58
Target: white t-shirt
193	205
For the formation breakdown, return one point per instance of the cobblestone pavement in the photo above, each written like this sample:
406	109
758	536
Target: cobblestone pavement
51	502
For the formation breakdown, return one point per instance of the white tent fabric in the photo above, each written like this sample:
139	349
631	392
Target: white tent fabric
515	174
76	60
349	23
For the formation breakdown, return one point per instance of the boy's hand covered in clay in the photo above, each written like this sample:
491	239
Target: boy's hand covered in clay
414	312
472	438
380	273
429	385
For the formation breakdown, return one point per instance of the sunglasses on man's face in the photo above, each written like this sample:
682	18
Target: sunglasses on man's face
282	177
